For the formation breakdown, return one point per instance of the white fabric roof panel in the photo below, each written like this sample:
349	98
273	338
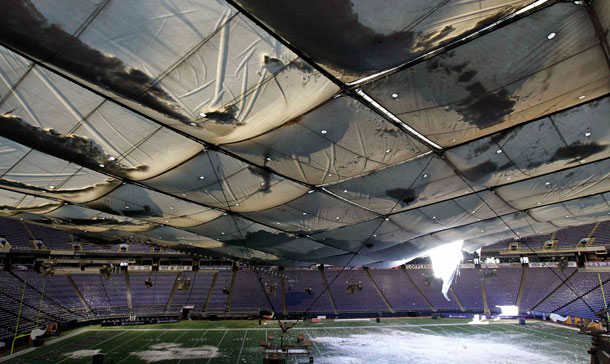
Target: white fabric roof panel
564	185
565	139
44	175
12	203
417	182
376	234
245	83
135	201
311	213
354	39
51	107
573	209
239	186
174	61
12	67
338	140
185	124
473	91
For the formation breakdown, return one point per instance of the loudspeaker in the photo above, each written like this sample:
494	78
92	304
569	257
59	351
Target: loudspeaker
521	321
98	359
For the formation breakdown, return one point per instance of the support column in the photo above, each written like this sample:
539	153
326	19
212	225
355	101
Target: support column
421	294
379	291
80	296
330	295
171	295
128	285
207	300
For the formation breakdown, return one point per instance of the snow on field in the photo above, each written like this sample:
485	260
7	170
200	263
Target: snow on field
391	346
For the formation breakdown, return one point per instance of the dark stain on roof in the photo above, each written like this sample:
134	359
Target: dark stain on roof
26	29
77	149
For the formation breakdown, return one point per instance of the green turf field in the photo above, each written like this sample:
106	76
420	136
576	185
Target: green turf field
392	341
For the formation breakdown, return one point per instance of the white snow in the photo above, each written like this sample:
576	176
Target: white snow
392	346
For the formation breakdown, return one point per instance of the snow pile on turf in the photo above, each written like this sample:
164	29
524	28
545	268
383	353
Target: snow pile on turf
80	354
175	351
390	347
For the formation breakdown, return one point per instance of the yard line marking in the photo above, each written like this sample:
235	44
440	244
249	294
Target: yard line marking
133	338
312	340
89	347
559	325
550	333
128	355
242	347
52	341
218	345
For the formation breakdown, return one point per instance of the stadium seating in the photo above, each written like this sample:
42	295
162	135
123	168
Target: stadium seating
219	299
578	285
15	233
543	291
249	295
467	287
539	283
431	288
197	292
501	286
366	300
298	300
52	239
150	300
398	290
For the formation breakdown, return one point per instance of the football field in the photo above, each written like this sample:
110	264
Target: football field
391	341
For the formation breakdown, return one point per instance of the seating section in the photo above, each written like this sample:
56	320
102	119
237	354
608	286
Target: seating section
197	292
15	233
431	288
539	283
219	300
566	238
52	239
298	300
365	300
249	295
586	306
578	285
100	296
32	311
467	287
501	286
543	291
398	290
151	300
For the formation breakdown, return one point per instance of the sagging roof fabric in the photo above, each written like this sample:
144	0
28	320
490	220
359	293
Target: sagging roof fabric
323	132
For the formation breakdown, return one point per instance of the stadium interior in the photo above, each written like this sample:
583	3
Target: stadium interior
329	181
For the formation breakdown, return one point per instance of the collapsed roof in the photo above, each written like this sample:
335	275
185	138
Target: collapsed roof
344	133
